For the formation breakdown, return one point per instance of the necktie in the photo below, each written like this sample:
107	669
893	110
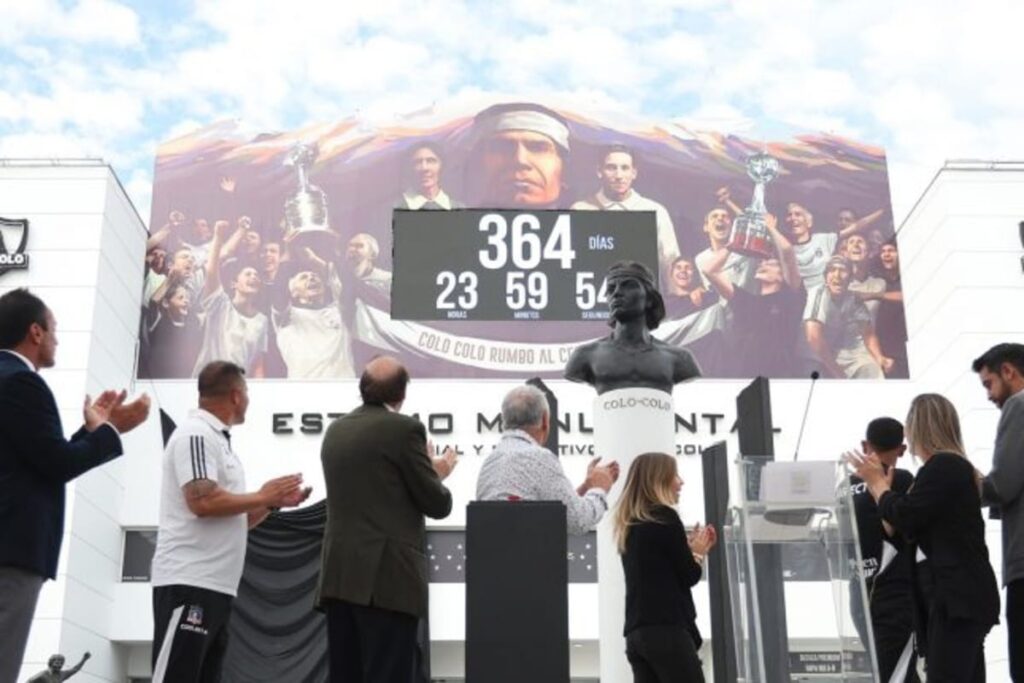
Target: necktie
432	206
227	436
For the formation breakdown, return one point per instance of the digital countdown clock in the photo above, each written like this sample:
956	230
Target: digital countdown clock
478	264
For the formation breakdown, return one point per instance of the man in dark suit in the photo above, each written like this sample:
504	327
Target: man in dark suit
1001	371
36	460
380	481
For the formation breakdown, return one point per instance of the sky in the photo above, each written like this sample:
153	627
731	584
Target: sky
927	80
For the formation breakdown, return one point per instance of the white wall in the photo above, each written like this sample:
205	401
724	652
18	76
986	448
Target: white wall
86	247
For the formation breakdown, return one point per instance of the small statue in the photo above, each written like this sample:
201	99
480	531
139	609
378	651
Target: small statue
54	674
630	357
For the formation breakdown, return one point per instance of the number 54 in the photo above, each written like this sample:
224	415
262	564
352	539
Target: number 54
587	295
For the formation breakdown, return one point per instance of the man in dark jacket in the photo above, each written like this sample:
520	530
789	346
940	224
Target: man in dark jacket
36	461
380	481
1001	370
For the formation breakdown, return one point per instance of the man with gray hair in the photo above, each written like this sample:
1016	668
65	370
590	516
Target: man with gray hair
361	255
520	468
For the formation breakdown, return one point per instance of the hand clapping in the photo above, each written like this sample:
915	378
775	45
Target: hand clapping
601	476
110	407
95	413
871	470
444	463
702	539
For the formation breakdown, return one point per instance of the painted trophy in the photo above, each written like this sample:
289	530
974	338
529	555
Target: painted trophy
305	212
749	230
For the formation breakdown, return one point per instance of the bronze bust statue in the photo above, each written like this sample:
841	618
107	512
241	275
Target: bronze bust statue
630	356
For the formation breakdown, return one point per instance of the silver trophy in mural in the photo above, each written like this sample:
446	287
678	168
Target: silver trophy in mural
750	230
305	212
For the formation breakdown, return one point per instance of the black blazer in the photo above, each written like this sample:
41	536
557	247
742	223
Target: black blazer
941	514
380	483
35	463
660	571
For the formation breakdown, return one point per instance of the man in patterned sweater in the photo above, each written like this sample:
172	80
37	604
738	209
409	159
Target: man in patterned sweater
520	468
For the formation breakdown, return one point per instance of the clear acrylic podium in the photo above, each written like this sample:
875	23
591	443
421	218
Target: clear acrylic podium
794	521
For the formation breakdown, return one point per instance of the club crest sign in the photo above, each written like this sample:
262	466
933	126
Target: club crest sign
13	239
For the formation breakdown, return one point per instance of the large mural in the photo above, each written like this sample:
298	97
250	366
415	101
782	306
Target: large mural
274	250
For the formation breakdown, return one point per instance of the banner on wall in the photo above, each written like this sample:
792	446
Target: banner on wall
276	250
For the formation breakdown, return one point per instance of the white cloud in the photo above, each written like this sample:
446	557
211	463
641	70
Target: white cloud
926	121
718	116
926	80
679	50
32	145
590	57
86	21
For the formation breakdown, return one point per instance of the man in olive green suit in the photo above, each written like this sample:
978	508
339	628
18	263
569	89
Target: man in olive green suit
380	481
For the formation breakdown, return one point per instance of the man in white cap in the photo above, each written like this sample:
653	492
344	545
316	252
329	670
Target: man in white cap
523	148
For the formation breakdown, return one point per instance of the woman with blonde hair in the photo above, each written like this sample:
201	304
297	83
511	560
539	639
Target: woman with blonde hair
661	565
941	515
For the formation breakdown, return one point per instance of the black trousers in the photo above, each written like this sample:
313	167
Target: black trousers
894	649
369	644
956	649
1015	628
190	634
663	654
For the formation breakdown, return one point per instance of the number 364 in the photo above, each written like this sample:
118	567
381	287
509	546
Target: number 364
523	244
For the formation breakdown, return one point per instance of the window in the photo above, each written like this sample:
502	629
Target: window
139	546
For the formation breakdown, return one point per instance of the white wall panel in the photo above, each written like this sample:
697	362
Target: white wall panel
61	231
96	528
116	321
68	268
56	195
89	602
131	618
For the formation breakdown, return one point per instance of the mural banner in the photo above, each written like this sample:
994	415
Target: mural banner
275	250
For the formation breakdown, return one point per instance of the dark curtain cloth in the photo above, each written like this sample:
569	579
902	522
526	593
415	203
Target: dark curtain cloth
276	634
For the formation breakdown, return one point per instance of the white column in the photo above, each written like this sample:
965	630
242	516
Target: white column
627	423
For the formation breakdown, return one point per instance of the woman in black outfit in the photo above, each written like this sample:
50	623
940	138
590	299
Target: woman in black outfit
661	565
941	515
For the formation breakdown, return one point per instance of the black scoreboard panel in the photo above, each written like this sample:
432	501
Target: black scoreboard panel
478	264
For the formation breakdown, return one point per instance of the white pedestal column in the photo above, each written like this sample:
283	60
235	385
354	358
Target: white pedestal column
627	423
